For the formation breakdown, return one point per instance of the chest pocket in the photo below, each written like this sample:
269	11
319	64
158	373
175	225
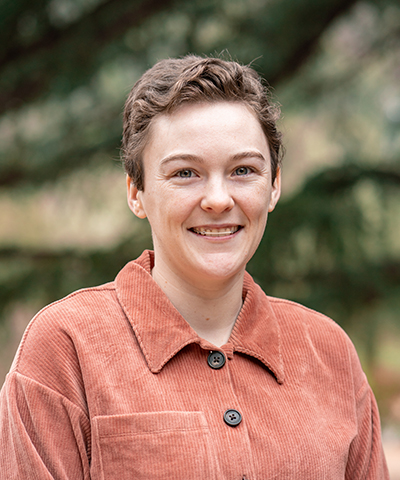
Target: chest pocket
156	445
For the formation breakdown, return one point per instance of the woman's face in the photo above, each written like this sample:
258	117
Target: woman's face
207	190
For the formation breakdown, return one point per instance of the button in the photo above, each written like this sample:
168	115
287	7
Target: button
216	360
232	417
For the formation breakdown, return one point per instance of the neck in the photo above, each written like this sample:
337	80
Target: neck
211	311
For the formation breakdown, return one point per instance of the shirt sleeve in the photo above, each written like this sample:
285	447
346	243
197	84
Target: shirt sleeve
366	459
43	435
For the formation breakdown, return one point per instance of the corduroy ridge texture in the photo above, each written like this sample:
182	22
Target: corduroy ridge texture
112	383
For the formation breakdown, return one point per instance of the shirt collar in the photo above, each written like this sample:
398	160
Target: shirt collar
162	332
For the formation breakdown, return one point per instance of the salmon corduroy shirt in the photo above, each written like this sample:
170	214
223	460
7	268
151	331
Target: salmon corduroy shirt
112	383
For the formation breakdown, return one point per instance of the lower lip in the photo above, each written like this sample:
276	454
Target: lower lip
217	239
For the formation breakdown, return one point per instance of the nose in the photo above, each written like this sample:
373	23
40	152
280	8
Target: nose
217	197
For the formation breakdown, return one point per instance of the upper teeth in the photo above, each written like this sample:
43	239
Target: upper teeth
216	232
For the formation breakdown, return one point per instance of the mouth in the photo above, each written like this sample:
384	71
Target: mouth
216	232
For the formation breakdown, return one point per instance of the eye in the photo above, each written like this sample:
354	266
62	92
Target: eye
242	171
185	174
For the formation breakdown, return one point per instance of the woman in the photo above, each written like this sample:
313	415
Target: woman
182	367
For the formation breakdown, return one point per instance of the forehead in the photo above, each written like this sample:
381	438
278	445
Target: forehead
202	128
202	108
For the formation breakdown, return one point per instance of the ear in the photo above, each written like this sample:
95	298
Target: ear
134	199
276	191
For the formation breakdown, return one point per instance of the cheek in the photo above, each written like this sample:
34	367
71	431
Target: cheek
255	198
181	204
169	214
256	208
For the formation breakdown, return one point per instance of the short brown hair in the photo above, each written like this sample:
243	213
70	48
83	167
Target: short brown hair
191	79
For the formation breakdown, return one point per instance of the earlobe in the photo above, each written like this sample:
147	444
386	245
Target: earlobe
134	199
276	191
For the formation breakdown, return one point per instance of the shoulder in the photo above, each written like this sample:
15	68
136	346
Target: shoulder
297	315
80	301
70	314
298	324
310	336
65	336
305	323
290	315
58	338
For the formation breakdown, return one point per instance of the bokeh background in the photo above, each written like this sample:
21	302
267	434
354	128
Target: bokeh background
66	67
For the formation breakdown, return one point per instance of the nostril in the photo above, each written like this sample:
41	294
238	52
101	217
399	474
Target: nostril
217	202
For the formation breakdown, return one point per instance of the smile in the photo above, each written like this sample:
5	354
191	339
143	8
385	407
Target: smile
216	232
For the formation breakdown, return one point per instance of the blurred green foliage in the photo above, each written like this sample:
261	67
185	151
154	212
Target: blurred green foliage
66	67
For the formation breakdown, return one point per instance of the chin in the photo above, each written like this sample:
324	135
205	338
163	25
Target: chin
220	269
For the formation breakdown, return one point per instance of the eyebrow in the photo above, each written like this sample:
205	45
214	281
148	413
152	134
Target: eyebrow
194	158
249	154
181	156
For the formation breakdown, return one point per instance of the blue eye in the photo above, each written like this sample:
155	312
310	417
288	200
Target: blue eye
185	173
242	171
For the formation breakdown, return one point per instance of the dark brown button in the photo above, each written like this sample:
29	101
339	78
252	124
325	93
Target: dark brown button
232	417
216	360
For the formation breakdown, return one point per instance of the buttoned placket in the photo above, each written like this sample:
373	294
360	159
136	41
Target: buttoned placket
228	423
